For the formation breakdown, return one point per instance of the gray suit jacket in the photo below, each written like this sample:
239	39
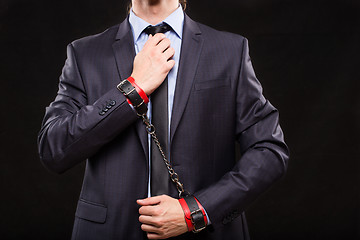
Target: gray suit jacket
218	101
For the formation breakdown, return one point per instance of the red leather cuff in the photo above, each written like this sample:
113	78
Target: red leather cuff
202	210
139	90
186	210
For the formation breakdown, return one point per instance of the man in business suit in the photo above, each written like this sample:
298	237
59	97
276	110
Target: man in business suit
214	100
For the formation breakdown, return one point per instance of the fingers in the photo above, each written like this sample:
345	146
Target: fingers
152	232
149	221
154	236
160	43
149	228
171	63
163	45
154	40
148	210
159	47
150	200
169	53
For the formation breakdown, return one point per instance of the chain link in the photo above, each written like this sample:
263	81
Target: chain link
173	175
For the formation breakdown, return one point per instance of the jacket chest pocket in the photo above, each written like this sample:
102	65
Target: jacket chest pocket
212	84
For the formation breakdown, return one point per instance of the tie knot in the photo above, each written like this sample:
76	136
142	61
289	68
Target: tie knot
162	28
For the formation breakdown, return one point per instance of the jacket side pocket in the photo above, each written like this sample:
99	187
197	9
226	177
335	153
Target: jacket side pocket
91	211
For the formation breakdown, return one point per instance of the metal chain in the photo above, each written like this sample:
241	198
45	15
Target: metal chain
173	175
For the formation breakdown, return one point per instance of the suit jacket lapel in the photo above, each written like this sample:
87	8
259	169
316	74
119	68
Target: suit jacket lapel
190	53
124	52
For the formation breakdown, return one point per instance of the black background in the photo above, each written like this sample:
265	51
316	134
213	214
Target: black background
305	53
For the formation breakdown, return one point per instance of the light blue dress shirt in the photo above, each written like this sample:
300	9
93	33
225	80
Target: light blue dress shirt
176	21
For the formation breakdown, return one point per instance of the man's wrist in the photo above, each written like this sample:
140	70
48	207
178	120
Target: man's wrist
203	211
195	216
139	90
186	211
132	92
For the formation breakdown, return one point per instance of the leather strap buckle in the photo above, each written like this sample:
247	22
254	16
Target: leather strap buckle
130	93
196	228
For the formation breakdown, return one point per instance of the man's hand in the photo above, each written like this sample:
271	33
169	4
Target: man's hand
161	217
153	63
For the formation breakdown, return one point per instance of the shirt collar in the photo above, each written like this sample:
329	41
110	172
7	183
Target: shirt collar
175	21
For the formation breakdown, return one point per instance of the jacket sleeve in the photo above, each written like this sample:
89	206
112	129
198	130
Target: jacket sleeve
264	154
73	130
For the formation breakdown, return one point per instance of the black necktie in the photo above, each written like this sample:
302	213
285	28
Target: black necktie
159	102
162	28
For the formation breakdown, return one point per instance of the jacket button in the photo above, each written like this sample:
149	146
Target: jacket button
108	106
105	109
101	113
112	103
